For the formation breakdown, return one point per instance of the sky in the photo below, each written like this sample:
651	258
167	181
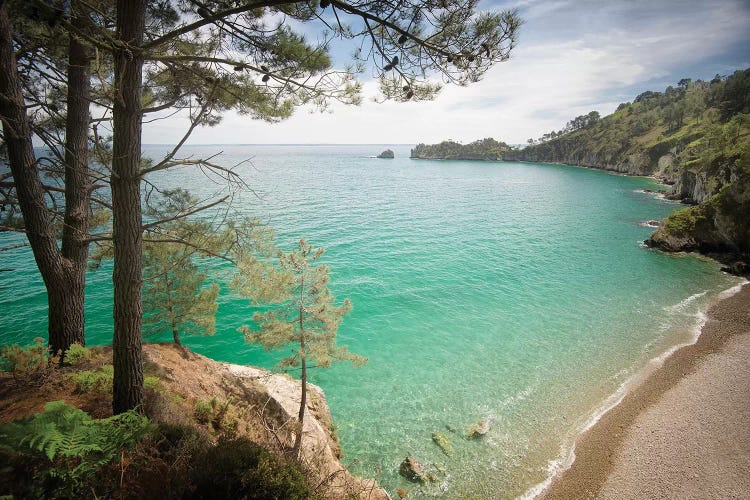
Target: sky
572	57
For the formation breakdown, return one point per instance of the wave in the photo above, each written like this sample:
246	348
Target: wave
565	459
683	304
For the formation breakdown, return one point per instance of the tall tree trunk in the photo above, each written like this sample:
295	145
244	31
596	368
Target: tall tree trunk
173	320
66	302
63	279
176	335
126	207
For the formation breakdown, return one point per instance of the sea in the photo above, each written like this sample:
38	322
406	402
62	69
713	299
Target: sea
518	294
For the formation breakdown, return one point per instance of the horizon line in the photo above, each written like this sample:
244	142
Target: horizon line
288	144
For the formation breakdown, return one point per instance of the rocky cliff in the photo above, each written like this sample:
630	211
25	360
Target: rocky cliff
718	226
695	137
568	151
268	404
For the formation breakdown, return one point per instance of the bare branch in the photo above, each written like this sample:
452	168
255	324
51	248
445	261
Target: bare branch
13	247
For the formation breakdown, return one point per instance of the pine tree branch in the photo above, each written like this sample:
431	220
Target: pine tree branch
229	174
184	214
368	16
212	19
231	62
199	248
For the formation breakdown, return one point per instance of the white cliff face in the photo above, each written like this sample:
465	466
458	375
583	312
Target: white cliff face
320	450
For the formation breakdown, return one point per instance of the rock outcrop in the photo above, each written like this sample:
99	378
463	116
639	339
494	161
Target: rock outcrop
695	137
387	154
719	226
414	471
478	430
269	404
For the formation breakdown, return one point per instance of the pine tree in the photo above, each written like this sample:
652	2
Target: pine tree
173	297
305	316
201	58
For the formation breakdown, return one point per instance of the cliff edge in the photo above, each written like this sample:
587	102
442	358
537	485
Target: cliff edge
695	137
203	415
268	403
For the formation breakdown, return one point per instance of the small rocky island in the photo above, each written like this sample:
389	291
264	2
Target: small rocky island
387	154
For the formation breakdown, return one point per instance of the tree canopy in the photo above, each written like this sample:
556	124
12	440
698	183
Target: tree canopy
84	75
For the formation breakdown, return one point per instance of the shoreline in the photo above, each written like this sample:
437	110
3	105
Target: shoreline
609	439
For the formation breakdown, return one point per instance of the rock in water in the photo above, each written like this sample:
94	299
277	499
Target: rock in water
443	442
412	470
479	429
388	154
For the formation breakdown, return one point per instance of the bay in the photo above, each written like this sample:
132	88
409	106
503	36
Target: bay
515	293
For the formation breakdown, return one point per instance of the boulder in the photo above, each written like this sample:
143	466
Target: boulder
479	429
387	154
737	267
414	471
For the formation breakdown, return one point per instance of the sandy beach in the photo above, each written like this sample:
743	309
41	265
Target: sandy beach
684	432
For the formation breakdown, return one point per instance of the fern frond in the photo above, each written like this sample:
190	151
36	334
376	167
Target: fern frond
64	431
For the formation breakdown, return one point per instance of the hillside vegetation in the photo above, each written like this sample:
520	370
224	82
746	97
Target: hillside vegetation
207	430
695	136
483	149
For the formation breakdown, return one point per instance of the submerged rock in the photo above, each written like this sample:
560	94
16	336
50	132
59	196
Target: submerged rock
479	429
443	442
387	154
413	470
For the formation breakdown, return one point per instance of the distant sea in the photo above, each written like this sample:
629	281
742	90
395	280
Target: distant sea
517	293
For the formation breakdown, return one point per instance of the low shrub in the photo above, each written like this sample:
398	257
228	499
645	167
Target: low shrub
29	365
97	381
215	412
239	468
204	410
77	354
65	453
153	383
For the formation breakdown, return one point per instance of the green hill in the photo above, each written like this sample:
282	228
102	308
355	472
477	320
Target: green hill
483	149
695	136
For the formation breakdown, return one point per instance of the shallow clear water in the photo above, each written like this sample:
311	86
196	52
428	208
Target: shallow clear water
517	293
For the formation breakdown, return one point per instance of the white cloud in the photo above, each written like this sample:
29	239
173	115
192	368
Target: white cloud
571	60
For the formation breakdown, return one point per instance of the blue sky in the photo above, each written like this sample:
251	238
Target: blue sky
573	56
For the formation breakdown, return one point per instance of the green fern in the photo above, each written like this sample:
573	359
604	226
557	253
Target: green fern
75	444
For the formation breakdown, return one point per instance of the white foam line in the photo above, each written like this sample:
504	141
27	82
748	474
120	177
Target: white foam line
567	453
680	306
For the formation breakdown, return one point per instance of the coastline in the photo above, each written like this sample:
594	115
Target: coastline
643	441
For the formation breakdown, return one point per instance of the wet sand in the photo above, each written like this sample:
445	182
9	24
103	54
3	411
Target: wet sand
682	433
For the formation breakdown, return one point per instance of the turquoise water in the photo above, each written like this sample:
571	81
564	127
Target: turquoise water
517	293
